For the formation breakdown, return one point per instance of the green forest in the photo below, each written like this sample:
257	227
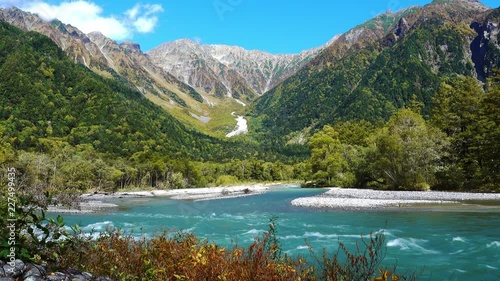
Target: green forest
456	149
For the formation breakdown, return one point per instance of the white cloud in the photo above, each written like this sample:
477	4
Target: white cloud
145	25
132	13
144	17
88	16
153	9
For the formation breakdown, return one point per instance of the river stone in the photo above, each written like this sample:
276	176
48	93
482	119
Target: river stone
87	275
7	279
34	272
6	271
19	268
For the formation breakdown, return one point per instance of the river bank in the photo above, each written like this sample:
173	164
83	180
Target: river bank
348	198
92	202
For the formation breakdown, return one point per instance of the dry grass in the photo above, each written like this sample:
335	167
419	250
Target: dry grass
183	256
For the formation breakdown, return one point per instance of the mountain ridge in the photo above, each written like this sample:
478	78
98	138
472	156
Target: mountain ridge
81	48
374	69
257	69
49	102
192	80
218	87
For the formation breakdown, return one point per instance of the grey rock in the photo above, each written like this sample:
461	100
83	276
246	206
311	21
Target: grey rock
78	277
32	278
15	272
34	272
5	270
131	46
88	275
20	266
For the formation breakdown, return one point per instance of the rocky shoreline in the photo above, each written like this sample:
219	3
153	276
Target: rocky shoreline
333	198
348	198
93	202
34	272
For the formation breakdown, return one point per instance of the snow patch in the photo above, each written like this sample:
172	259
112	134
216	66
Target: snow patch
241	126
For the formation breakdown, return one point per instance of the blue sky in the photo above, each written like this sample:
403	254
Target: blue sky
276	26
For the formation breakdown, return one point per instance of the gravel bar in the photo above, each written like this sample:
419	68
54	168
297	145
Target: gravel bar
348	198
93	202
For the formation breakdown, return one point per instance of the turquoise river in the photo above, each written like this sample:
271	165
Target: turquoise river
446	243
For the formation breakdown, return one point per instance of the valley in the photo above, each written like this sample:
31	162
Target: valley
183	77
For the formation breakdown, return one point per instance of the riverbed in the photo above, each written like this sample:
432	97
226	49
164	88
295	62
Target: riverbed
458	241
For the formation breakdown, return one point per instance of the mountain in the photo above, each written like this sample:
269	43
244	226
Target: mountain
136	69
382	65
124	62
188	62
199	85
222	70
47	102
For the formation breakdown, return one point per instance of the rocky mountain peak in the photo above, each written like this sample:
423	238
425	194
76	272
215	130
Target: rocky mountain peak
19	18
131	46
99	39
181	45
474	4
97	35
229	65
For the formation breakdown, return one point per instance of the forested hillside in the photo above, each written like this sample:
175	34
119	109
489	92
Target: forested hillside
123	61
47	99
457	149
371	78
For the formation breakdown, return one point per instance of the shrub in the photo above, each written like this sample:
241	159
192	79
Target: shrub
177	181
226	180
362	264
183	256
